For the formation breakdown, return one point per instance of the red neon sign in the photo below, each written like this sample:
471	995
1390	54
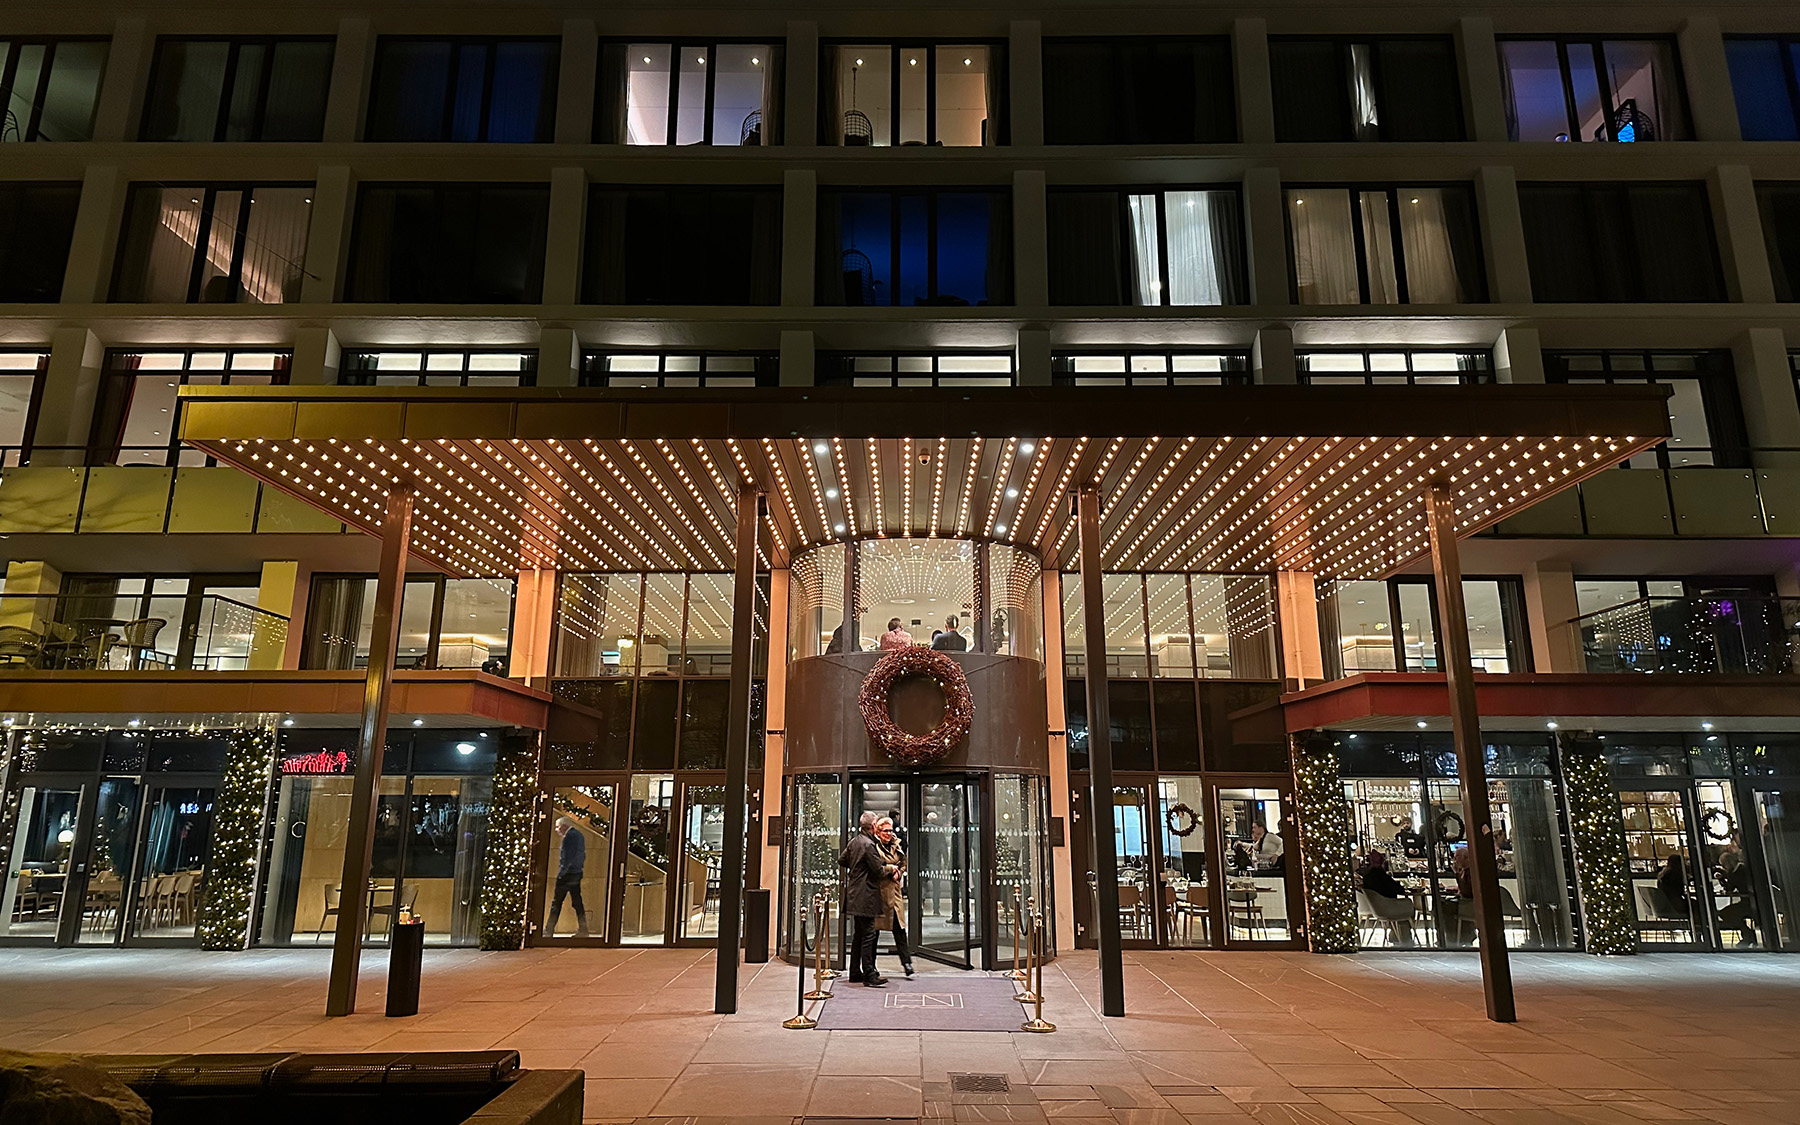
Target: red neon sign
325	761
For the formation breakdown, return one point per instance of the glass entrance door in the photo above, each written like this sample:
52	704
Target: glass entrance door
1253	833
1165	891
576	863
701	863
1660	848
108	892
944	889
1778	824
37	873
171	872
649	843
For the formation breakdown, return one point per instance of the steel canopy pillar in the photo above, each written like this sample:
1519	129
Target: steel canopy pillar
1100	784
378	686
737	747
1471	767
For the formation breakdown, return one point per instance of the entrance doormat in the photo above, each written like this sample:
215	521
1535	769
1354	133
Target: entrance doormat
968	1001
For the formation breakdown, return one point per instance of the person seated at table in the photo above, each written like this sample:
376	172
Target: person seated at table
1671	880
895	637
1735	881
1462	865
1268	849
1388	898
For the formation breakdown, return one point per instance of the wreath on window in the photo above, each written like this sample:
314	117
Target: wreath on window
650	818
1725	826
1176	814
1446	833
959	706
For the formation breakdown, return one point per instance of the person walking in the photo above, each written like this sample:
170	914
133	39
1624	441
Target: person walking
571	861
864	873
893	891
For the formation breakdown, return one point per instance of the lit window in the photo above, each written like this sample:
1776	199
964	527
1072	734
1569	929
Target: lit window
688	93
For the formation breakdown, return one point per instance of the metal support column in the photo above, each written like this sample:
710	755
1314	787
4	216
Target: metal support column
737	749
1471	768
1100	792
359	839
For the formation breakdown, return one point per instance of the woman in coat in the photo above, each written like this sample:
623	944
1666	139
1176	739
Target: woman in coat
893	894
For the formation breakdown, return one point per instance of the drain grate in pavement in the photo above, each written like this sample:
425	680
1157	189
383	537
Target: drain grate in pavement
980	1084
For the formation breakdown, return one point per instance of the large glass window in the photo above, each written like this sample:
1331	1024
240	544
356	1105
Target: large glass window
444	623
1763	77
134	423
449	243
438	367
680	369
1177	626
1385	246
463	89
1182	247
915	248
37	223
48	88
21	380
688	93
1592	90
630	625
1621	242
214	243
1706	424
1400	89
913	94
1392	626
238	89
683	246
1139	368
1397	368
1142	90
916	369
1780	207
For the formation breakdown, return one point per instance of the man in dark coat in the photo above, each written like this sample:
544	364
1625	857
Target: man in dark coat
864	872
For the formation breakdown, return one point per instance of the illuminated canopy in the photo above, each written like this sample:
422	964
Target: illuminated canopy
1226	479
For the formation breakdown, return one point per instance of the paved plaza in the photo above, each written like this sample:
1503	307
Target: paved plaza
1212	1038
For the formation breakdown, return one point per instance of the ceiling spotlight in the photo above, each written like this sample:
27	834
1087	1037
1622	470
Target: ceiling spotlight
821	448
838	527
418	722
1012	494
135	723
1026	447
1705	726
287	722
465	748
1551	725
831	494
1000	529
1421	724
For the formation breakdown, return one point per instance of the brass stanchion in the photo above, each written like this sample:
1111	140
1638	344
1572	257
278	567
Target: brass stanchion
820	945
801	1021
1018	970
1025	995
1037	1022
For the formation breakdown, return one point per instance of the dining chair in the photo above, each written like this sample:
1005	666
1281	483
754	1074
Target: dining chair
181	898
139	638
19	646
1194	906
1241	906
332	901
1131	906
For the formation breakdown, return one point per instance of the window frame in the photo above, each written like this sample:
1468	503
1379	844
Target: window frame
772	85
1355	190
1344	43
347	377
435	637
1727	440
546	128
105	448
13	456
203	236
9	69
834	368
1126	275
1597	44
223	115
996	49
1410	376
1514	620
1064	374
765	368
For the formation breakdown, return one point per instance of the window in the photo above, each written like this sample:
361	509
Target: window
437	368
1780	206
688	93
1706	425
1767	87
238	90
1392	626
630	625
1385	246
1402	89
1379	368
1185	367
913	94
1592	90
497	90
1180	626
915	248
691	369
21	382
1181	247
683	246
1139	91
49	88
449	243
214	243
917	369
37	223
1621	242
198	621
444	623
134	423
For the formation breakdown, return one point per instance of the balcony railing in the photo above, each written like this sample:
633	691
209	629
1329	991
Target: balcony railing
89	632
1729	634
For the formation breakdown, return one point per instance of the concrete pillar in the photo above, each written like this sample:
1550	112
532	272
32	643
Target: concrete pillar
799	236
65	416
1503	235
1518	356
1297	616
119	109
1062	871
1265	229
1025	82
1272	356
801	95
1737	223
559	357
296	633
317	356
275	594
328	238
534	620
1708	78
1550	605
1034	357
352	64
1255	91
1484	101
1765	384
26	577
567	236
797	358
1031	240
96	236
580	70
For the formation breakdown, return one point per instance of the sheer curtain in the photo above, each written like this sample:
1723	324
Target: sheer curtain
1324	247
275	245
1365	118
1197	276
1146	263
1432	276
1378	247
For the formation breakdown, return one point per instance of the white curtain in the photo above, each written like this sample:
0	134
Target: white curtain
1365	116
1146	263
1324	246
1195	274
1378	248
1431	277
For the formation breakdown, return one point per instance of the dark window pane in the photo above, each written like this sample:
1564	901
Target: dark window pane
523	106
593	730
1139	91
178	751
411	82
705	707
1075	723
1177	726
37	223
1677	255
458	245
62	108
653	748
1312	96
683	246
299	83
453	751
464	90
1611	242
189	82
1133	740
1087	256
1759	82
931	248
1418	93
1780	206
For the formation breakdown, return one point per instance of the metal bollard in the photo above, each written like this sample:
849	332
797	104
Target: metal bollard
1018	970
801	1021
1025	995
1037	1022
820	945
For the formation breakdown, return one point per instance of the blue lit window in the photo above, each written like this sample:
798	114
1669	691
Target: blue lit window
1764	80
1621	90
915	248
499	90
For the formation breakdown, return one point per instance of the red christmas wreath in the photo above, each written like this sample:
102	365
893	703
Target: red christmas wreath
959	705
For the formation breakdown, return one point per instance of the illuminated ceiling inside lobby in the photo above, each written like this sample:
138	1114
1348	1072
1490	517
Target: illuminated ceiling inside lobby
1327	480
